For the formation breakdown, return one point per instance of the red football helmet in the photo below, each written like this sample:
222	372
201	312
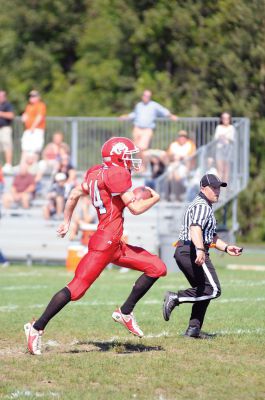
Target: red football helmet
119	151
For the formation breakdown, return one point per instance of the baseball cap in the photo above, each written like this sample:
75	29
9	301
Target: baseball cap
182	133
212	180
60	176
34	93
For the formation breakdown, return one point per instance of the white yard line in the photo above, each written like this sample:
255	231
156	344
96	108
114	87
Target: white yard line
231	283
19	274
23	287
157	335
9	308
246	267
240	331
14	307
21	394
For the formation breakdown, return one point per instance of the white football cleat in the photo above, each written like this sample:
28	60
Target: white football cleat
33	339
128	321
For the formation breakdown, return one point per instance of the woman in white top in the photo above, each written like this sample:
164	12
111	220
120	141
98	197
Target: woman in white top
224	136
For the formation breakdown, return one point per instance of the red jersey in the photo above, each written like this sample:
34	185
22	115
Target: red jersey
105	184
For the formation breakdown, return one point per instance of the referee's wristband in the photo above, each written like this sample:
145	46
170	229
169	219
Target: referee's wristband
201	249
226	247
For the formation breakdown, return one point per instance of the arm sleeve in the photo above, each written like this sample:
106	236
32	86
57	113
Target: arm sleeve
85	181
86	175
199	215
118	180
162	111
131	115
217	132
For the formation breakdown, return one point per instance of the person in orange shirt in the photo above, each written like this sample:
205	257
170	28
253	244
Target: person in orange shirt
34	119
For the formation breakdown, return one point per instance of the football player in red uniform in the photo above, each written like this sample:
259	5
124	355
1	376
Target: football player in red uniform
109	186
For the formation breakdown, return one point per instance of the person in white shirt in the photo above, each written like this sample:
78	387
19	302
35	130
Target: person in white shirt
181	162
225	136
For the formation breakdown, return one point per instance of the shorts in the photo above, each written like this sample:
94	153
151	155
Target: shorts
5	138
32	141
142	137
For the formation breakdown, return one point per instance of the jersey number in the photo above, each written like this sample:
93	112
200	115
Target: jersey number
97	201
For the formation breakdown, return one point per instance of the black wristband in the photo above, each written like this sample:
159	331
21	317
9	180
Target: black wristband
226	247
199	248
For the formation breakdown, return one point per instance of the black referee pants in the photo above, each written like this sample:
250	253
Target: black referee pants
204	282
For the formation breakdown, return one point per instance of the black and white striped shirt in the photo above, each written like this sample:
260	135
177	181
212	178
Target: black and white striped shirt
199	212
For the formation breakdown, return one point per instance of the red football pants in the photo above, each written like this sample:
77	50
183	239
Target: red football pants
119	253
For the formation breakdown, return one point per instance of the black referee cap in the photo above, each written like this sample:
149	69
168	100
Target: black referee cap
212	180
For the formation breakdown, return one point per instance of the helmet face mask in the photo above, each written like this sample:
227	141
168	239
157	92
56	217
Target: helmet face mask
130	161
120	151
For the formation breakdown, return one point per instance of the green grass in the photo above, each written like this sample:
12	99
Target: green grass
94	358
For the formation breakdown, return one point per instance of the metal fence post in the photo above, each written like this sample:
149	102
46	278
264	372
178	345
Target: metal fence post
74	142
235	225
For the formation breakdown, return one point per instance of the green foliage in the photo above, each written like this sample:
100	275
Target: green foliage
94	57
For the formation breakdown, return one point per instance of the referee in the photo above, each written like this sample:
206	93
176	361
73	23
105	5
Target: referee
192	256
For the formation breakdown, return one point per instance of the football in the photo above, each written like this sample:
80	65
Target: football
142	193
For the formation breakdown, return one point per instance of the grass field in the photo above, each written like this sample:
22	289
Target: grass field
87	356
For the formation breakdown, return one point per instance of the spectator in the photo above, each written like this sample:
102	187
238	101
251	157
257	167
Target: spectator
52	153
225	137
22	189
56	198
158	161
180	154
195	177
143	116
6	117
3	261
34	119
181	148
33	168
85	215
65	166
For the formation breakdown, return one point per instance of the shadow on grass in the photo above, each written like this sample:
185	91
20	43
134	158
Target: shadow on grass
117	347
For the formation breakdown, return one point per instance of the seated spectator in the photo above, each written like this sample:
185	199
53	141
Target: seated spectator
193	187
56	198
225	137
64	165
52	153
177	181
181	148
180	154
158	161
86	214
22	190
33	168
